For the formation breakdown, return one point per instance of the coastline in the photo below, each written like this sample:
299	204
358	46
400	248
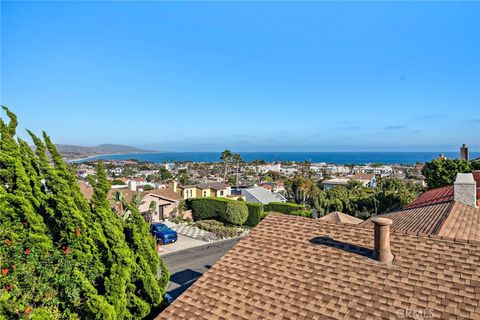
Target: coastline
387	158
108	155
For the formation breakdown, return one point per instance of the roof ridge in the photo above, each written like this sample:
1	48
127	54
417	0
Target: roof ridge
392	231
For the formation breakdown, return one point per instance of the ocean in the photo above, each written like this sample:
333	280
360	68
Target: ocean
328	157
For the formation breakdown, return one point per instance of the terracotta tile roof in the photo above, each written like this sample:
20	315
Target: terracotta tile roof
463	222
340	217
86	189
323	272
437	195
476	177
425	219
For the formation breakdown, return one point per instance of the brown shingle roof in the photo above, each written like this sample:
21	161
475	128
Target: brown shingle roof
425	219
463	222
165	193
208	185
362	176
266	277
340	217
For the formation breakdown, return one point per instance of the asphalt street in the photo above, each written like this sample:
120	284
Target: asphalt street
186	266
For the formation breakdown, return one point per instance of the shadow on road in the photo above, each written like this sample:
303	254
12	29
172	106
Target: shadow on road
184	279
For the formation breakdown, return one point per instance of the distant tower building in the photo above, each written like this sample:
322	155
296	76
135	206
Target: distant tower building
464	152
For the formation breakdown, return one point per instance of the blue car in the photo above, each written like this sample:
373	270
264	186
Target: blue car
163	233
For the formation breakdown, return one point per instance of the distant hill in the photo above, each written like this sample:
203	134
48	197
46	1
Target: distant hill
73	152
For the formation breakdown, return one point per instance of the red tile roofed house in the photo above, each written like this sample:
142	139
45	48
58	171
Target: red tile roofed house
272	186
441	211
327	271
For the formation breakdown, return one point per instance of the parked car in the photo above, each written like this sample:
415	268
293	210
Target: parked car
163	233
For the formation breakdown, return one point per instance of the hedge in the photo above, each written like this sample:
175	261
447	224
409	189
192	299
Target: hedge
229	211
217	228
283	207
255	213
236	213
302	213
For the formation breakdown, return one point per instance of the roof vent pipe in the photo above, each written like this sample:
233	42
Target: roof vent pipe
381	251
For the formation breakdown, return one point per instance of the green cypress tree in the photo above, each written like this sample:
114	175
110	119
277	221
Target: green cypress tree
63	257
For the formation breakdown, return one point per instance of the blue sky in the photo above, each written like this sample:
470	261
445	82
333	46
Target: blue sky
250	76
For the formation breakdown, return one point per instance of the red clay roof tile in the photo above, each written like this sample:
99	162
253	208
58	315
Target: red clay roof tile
434	196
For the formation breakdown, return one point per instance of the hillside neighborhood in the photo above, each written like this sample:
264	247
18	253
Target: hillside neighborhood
240	160
341	265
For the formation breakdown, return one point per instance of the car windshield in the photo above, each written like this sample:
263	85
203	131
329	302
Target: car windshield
159	227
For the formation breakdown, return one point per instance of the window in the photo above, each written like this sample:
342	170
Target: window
204	193
221	193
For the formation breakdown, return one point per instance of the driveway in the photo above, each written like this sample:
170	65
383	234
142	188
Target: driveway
188	265
182	243
192	231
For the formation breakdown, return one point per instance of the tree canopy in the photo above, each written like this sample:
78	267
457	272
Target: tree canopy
354	199
442	172
62	257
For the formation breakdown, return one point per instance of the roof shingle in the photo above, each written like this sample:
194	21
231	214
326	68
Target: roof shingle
323	271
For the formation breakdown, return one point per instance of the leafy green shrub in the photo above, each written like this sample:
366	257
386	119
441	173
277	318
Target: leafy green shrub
216	208
217	228
207	208
282	207
177	220
236	213
255	213
302	213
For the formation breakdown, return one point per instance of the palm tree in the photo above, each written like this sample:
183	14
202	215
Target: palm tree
237	158
136	200
256	163
151	210
119	198
226	157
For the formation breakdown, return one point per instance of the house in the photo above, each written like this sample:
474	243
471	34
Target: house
336	271
367	180
166	202
201	190
381	170
259	195
273	186
340	217
449	211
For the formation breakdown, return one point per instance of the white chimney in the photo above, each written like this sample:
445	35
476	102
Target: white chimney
465	189
132	185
